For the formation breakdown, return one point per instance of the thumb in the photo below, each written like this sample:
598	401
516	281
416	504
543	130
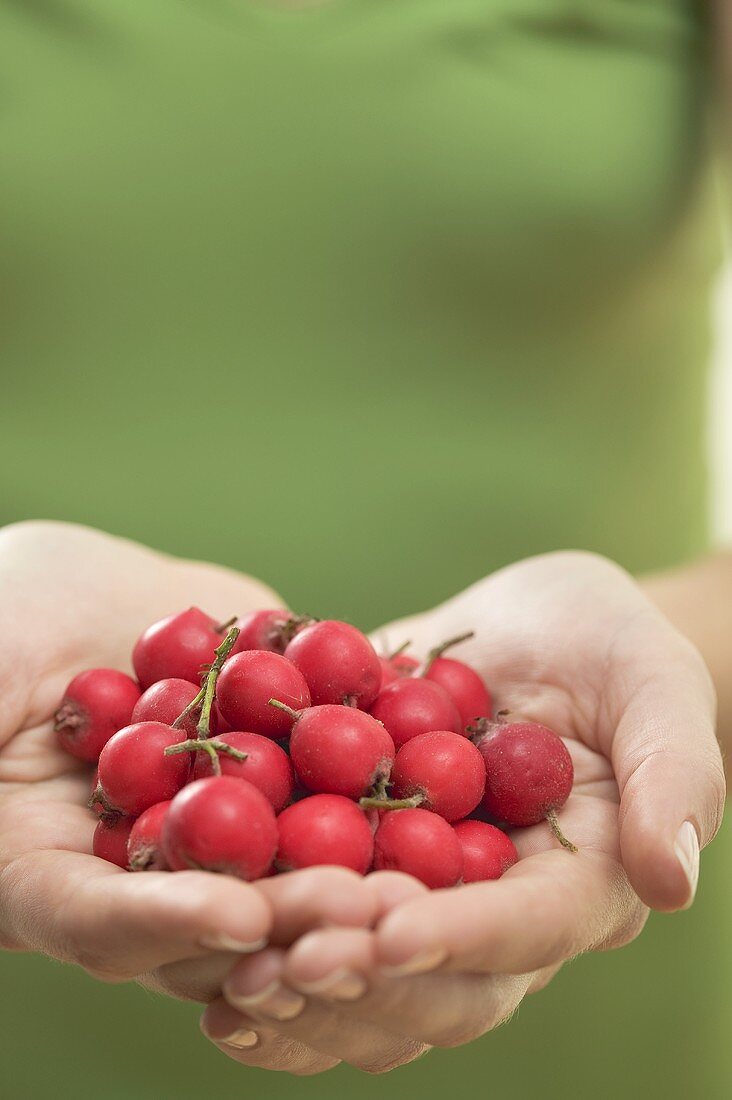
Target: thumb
668	765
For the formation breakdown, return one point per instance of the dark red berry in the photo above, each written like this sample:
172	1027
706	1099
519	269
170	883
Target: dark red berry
247	683
340	750
145	845
324	829
135	773
410	707
110	839
487	851
221	824
164	701
464	686
338	662
95	705
272	630
267	766
179	647
421	844
444	770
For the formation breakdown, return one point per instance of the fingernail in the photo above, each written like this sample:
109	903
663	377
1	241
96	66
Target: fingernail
341	985
421	963
244	1039
686	847
274	1000
219	941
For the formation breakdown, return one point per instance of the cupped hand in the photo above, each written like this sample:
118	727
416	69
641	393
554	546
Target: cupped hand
72	598
568	639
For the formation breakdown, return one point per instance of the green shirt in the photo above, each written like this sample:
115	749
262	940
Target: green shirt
366	299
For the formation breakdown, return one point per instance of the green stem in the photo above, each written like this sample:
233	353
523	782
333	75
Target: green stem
551	816
294	714
209	688
209	745
442	648
398	652
391	803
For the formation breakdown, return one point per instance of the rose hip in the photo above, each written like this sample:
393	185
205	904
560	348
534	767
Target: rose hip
442	771
340	750
247	683
164	701
529	774
421	844
110	839
410	707
324	829
135	773
178	647
272	630
221	824
95	705
338	662
487	851
145	846
267	767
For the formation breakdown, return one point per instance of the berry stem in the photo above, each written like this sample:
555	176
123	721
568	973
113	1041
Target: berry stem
398	652
211	744
209	688
225	626
295	714
551	816
377	803
442	648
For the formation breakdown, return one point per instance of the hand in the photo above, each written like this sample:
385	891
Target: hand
568	639
73	598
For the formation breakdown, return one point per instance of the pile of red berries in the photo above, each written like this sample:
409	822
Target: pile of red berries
276	742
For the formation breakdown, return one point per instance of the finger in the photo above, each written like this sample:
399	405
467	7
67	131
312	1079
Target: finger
667	762
117	925
392	888
316	896
252	1043
338	966
547	908
260	992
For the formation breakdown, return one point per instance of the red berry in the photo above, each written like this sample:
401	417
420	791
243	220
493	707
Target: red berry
247	683
272	630
110	839
324	829
338	662
95	705
444	769
178	647
164	701
135	773
221	824
396	668
464	686
421	844
267	767
340	750
145	846
411	707
487	851
529	773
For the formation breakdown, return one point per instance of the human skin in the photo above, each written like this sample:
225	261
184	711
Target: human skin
568	638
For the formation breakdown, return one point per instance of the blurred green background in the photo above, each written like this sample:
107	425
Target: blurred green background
366	300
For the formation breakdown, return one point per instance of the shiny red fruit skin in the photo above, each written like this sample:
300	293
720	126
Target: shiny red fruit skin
338	662
267	766
263	630
221	824
110	839
396	668
487	851
145	844
247	683
164	701
340	750
421	844
413	706
445	768
134	771
95	705
464	686
528	772
324	829
178	647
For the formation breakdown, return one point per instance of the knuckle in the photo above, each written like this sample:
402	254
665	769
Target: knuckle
402	1056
